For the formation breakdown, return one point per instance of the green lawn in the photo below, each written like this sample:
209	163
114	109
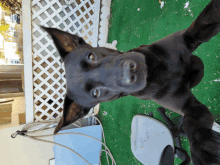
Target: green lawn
137	22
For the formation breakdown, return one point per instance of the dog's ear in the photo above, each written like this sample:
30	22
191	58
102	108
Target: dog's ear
64	42
71	113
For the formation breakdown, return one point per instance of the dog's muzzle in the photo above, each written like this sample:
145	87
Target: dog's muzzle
128	70
133	72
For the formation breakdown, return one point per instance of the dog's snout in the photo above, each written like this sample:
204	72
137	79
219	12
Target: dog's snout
130	65
128	71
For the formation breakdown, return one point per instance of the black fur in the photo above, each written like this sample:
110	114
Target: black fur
164	71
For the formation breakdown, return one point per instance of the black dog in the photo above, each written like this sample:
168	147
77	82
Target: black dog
164	71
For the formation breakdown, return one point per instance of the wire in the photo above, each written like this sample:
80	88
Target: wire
102	132
27	130
34	138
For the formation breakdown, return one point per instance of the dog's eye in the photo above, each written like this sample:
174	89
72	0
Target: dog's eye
91	57
96	93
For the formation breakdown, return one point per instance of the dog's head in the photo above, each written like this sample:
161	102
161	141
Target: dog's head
95	75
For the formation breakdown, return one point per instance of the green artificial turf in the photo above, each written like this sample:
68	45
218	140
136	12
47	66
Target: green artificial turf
142	22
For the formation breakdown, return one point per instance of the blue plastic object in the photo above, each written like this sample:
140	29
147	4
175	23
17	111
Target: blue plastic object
88	148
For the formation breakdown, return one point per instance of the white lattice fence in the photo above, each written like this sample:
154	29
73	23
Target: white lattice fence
79	17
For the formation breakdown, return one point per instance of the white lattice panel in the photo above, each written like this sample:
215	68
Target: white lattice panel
74	16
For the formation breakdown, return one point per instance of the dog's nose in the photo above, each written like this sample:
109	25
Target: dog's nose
128	71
